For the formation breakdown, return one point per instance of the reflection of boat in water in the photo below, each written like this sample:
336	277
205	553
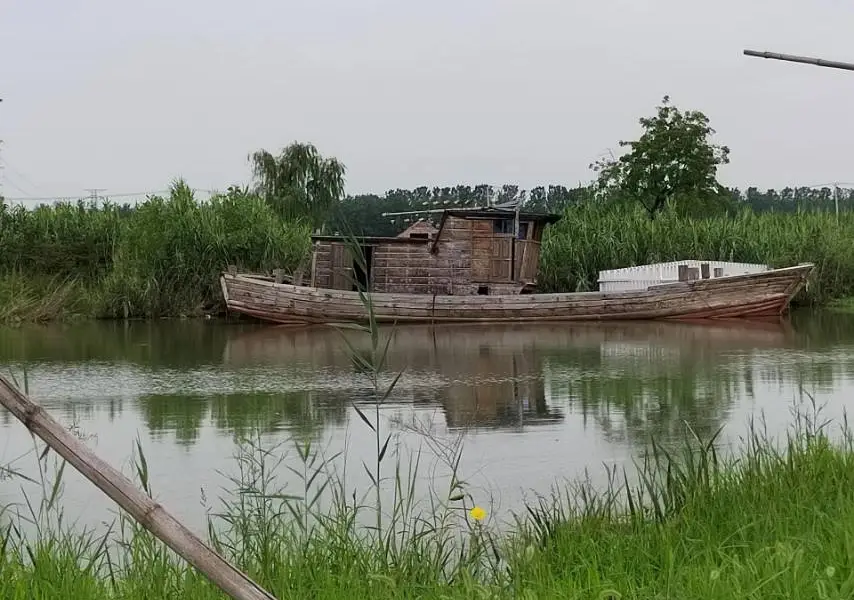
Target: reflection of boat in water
320	344
494	375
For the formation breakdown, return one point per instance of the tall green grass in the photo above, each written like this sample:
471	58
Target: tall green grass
593	237
162	258
169	256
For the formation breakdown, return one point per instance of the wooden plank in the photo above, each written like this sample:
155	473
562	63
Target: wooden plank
145	511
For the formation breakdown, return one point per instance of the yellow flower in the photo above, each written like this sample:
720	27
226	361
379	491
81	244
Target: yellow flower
477	513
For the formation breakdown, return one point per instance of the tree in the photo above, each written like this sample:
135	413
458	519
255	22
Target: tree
299	183
673	160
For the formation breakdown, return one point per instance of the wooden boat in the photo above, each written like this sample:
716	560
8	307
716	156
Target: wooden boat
480	265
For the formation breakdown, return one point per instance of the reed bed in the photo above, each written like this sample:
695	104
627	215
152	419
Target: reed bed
161	258
594	237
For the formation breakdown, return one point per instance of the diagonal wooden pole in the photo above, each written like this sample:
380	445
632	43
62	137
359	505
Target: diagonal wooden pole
120	489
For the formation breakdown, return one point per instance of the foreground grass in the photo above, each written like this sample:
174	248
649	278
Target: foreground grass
767	524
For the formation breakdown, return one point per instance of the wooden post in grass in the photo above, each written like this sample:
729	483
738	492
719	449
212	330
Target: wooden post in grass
120	489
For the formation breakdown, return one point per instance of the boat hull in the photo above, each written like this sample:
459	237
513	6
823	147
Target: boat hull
752	296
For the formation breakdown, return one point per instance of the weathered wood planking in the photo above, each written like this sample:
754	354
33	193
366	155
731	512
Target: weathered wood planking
466	256
738	296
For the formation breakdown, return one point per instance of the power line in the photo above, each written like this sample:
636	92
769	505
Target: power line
102	196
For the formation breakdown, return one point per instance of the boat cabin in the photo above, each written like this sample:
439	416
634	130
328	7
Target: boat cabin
473	251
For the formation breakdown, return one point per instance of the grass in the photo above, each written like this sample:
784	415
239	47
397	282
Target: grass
842	305
591	238
162	258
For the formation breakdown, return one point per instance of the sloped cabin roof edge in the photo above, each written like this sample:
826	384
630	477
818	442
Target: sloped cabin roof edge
369	239
492	213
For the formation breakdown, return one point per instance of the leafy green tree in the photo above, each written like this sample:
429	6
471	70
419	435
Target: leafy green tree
672	161
299	183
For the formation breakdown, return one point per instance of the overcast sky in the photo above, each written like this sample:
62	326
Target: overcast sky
128	95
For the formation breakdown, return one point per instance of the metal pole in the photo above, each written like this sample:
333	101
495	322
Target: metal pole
820	62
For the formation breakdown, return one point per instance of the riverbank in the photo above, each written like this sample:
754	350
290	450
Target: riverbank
163	258
772	524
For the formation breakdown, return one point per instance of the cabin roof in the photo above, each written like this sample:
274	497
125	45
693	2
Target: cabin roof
491	213
500	213
370	239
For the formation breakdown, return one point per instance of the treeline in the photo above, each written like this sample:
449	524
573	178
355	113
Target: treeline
365	213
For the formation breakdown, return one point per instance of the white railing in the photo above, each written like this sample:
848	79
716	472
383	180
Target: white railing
643	276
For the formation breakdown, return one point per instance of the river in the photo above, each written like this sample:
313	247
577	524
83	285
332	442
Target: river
532	405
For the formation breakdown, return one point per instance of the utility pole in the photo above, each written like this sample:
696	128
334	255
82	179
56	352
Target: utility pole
836	200
93	194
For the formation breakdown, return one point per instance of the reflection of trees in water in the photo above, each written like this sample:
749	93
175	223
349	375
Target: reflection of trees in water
634	391
307	412
240	414
150	343
637	391
178	414
633	380
818	372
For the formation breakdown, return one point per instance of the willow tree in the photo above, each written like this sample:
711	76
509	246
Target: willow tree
299	183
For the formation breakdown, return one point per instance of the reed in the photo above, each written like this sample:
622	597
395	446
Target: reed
169	256
161	258
594	237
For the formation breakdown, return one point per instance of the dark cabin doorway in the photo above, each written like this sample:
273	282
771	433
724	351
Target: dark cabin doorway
363	279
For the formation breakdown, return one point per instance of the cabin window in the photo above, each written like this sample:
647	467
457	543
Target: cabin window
420	236
506	226
483	290
502	226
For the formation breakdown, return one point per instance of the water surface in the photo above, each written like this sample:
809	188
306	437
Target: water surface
533	404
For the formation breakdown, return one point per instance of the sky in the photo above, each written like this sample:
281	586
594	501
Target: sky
128	96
